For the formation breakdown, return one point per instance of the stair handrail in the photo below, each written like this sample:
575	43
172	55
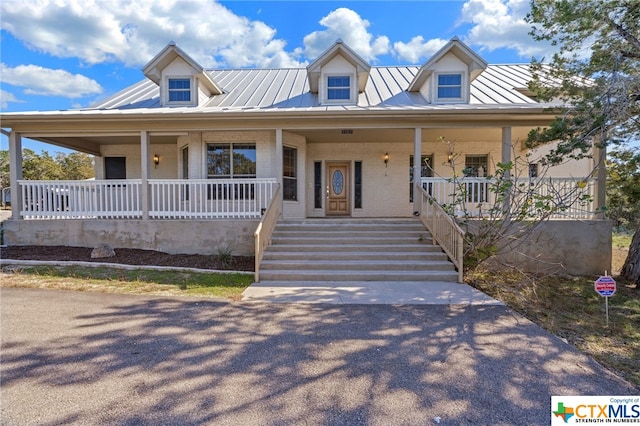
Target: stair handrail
444	229
264	231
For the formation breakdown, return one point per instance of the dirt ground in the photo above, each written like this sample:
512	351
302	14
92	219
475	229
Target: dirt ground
127	257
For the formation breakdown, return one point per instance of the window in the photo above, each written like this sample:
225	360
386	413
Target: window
290	172
476	166
533	170
338	88
426	170
115	168
357	196
317	185
450	86
180	90
226	160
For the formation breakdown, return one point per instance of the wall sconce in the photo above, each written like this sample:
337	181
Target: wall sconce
450	158
385	158
156	160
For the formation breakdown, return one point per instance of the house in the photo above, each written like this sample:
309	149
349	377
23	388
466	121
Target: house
189	160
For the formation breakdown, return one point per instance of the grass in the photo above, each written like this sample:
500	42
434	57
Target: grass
138	281
570	308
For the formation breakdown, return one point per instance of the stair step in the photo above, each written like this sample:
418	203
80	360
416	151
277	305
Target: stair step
355	255
423	248
356	265
347	239
351	250
268	275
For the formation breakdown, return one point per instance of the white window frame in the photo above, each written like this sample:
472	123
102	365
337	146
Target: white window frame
192	90
352	92
463	87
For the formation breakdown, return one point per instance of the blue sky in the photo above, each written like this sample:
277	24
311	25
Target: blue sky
72	53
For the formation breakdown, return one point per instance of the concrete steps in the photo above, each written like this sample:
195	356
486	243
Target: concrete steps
351	250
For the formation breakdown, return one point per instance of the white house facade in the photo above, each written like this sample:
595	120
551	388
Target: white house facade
189	160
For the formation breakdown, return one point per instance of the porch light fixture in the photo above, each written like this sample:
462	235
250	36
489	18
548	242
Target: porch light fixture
386	159
156	160
450	158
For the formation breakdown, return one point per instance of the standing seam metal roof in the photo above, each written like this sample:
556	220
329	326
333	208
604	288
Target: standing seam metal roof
288	88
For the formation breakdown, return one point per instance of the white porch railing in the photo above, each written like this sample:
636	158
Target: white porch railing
210	198
108	199
262	235
474	196
443	228
168	199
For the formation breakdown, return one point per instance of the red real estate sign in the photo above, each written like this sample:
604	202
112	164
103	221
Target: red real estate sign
606	286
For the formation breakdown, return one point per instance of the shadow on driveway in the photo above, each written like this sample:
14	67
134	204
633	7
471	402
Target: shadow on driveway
89	358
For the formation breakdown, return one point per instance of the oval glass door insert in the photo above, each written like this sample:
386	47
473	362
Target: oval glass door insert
337	181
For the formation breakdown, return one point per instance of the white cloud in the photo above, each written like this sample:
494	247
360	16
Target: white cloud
48	82
417	50
6	97
347	25
501	24
133	32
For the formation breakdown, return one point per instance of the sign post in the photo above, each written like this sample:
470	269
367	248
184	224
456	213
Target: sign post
606	287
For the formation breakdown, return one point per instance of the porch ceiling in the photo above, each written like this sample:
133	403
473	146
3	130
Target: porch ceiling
91	144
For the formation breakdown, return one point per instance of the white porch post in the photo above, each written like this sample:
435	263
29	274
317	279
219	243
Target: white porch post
15	173
506	148
144	175
279	163
417	165
506	157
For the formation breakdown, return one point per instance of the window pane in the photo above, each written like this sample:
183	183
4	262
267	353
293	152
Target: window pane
244	160
338	87
179	90
341	81
115	167
449	92
290	181
338	93
219	160
450	86
475	165
180	96
179	83
449	80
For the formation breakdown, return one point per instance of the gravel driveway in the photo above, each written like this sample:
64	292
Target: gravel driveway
90	358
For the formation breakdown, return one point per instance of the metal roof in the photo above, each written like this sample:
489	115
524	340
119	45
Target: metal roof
288	89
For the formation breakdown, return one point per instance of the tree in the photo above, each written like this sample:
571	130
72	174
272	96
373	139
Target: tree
595	73
623	187
73	166
76	165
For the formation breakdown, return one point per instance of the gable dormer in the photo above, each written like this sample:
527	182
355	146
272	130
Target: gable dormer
446	77
182	81
338	75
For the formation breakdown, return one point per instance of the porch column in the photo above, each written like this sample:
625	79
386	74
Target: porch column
417	166
15	173
144	173
506	148
506	157
279	163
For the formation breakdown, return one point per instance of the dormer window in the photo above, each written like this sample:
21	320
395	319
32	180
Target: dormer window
450	86
338	88
179	90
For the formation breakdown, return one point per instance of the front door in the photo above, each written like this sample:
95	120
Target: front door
337	189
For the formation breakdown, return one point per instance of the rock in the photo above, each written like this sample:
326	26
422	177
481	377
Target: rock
102	251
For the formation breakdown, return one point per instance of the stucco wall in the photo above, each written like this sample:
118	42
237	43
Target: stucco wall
562	246
170	236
